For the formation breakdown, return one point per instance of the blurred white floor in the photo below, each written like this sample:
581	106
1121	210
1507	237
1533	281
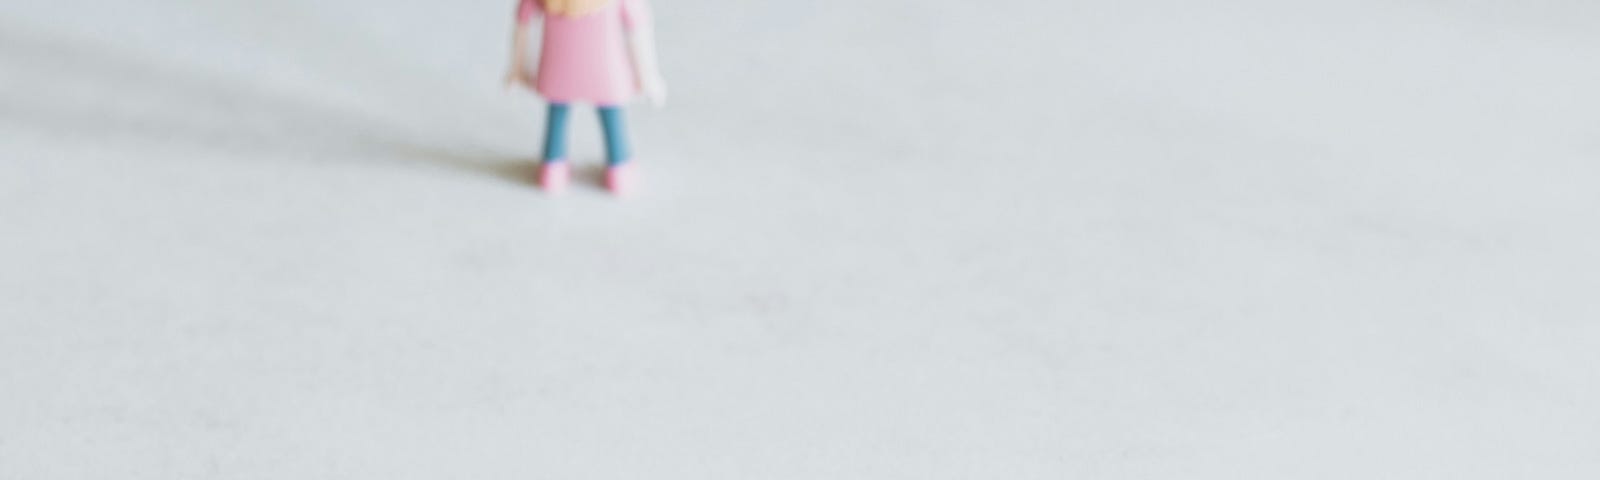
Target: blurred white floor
896	239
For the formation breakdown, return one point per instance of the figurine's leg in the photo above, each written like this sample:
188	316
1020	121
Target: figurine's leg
617	152
620	177
554	173
555	133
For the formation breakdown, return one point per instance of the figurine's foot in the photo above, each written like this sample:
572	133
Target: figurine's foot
622	180
554	176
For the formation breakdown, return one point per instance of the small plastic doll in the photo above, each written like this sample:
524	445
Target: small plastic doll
599	52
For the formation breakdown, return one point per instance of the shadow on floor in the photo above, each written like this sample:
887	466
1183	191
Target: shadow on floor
93	93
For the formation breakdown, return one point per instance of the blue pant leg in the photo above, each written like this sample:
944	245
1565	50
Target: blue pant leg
555	133
617	151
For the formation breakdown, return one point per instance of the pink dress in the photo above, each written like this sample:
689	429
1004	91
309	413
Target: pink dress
585	58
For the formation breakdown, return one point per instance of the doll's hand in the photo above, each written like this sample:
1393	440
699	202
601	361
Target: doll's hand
655	89
514	78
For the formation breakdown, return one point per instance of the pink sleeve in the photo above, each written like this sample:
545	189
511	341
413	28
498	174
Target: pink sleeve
527	10
636	14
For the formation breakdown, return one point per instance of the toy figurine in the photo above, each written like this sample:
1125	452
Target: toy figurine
599	52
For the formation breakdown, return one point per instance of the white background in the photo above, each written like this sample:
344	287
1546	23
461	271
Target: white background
886	239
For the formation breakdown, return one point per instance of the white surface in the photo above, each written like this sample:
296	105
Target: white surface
887	239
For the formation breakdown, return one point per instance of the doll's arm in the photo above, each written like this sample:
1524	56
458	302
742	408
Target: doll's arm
646	66
526	11
642	45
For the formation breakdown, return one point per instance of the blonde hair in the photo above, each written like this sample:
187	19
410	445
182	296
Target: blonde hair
573	8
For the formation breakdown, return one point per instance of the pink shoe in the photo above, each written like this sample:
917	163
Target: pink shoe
554	176
622	180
